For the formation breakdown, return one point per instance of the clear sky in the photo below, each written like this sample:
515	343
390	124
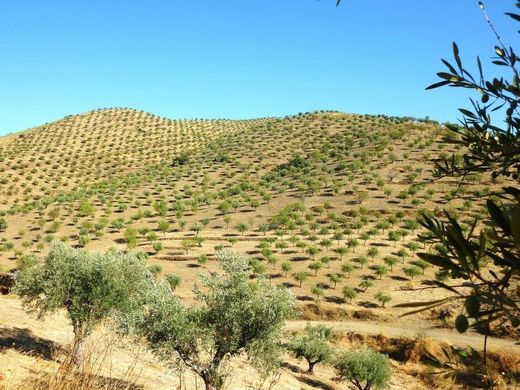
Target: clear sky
235	58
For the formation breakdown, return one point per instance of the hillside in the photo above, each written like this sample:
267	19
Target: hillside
320	201
100	145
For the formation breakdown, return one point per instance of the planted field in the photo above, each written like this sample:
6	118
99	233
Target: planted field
324	203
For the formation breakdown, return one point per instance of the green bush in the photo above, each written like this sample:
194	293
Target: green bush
157	246
173	281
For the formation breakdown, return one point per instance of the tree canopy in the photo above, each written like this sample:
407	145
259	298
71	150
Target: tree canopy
89	286
233	316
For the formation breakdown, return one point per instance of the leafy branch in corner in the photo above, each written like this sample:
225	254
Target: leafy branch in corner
486	255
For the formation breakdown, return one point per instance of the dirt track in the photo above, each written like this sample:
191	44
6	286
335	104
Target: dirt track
471	339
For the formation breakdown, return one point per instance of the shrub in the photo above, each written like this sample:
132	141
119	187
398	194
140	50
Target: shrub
349	293
130	236
173	281
157	246
318	292
86	208
286	267
301	277
412	271
365	284
383	298
163	225
315	266
25	262
202	259
182	159
83	240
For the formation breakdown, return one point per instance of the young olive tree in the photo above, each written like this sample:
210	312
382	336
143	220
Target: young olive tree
88	286
365	369
313	345
233	316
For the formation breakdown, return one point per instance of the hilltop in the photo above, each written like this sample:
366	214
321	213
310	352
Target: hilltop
80	150
319	201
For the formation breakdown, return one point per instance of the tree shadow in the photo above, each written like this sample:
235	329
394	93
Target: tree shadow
73	377
379	244
335	299
314	383
6	283
294	368
299	258
324	286
25	341
368	304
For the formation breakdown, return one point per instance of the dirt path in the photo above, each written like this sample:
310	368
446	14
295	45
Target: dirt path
471	339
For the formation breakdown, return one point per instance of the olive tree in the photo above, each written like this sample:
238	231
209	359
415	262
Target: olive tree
88	286
313	345
234	316
3	224
365	369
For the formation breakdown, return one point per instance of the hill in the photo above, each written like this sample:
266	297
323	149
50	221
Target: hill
319	201
84	149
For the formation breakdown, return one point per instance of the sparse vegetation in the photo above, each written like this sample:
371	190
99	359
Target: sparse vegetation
330	208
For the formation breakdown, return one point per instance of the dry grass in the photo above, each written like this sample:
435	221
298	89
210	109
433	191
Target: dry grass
313	311
441	365
94	373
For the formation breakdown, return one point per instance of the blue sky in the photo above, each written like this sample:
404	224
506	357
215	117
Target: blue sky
235	58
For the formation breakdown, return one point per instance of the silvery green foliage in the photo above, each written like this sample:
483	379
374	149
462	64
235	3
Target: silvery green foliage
365	370
313	345
234	316
89	286
489	137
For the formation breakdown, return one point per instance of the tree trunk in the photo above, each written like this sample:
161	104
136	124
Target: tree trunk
211	375
212	380
311	367
209	385
78	345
